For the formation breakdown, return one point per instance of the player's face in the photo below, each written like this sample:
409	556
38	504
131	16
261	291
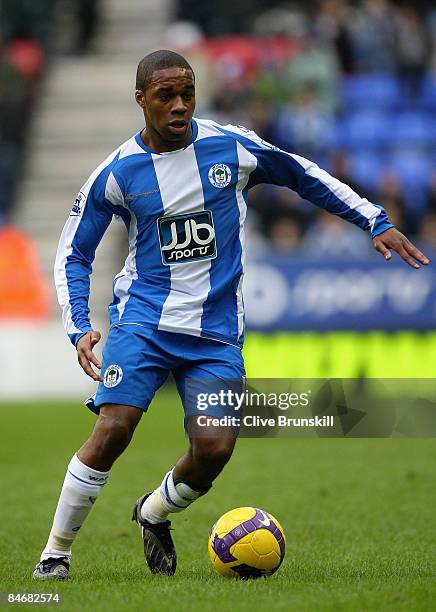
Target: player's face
168	105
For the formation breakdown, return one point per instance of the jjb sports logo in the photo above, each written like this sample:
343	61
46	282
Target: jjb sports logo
186	238
220	175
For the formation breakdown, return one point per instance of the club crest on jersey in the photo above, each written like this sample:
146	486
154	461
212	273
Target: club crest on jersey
220	175
186	238
77	209
112	376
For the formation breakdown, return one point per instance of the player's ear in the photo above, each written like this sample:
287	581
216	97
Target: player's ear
140	98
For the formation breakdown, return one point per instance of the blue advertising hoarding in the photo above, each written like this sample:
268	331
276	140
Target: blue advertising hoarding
290	293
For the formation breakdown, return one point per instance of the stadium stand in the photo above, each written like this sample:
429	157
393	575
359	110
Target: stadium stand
23	35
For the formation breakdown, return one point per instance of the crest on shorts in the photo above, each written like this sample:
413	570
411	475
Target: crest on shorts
220	175
112	376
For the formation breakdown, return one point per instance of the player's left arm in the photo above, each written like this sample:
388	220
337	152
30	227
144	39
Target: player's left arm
319	187
278	167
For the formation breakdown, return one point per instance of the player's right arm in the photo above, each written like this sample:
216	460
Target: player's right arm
89	218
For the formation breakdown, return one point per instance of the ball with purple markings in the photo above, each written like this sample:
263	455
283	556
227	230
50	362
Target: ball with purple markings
247	543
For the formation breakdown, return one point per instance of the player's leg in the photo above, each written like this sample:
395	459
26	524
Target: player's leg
111	435
192	476
206	456
87	474
120	402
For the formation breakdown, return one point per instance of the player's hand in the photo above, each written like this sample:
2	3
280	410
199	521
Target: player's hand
395	240
85	355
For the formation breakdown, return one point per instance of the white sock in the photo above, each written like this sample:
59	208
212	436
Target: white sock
81	487
169	497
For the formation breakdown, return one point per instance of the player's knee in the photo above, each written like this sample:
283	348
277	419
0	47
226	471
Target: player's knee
214	452
112	434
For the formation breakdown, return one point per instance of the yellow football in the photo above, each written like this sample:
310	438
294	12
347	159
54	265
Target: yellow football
246	543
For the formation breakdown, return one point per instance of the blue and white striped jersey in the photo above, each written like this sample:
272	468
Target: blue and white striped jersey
184	212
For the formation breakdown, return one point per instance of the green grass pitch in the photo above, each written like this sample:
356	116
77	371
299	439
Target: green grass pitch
359	517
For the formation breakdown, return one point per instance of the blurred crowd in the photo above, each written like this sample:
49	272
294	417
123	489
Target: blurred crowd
350	85
26	28
23	31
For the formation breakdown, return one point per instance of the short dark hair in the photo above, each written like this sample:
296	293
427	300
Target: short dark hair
158	60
